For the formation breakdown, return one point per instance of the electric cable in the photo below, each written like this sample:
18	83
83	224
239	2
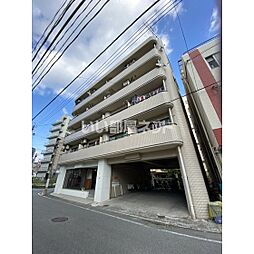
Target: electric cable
125	44
69	84
62	37
49	25
54	26
71	43
59	32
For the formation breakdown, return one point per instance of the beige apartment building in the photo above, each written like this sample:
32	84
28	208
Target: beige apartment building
53	147
201	75
125	126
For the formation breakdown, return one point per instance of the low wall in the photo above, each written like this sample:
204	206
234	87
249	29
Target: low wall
75	193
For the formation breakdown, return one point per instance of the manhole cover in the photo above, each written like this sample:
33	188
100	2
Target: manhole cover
59	219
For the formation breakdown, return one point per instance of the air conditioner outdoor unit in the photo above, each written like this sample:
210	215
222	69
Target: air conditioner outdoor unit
127	82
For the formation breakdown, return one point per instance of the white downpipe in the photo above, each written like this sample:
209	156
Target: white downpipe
186	183
171	115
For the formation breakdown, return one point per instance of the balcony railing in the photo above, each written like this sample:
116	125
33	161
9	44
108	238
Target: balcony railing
151	54
136	54
53	135
44	167
47	158
152	100
52	142
122	94
48	151
167	136
56	128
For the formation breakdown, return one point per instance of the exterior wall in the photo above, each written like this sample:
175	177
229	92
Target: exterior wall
198	191
61	176
130	112
54	146
144	80
119	78
205	104
168	138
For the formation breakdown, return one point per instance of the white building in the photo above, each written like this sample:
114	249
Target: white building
124	125
53	148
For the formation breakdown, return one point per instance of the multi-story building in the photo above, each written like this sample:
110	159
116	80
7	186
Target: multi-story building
53	147
126	124
201	75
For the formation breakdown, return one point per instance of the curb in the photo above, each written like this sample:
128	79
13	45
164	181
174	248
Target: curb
175	222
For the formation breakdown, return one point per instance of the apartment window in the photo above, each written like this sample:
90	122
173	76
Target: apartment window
72	179
212	62
218	57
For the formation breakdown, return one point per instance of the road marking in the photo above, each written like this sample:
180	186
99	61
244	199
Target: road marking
137	223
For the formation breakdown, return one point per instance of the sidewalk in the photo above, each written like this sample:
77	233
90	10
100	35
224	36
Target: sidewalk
146	214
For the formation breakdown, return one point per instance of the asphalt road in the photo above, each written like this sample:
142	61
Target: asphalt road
94	230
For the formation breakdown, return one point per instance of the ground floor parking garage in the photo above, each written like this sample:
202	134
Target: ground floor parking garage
152	186
150	182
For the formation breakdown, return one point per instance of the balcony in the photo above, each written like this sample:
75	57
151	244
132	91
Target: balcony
44	167
116	100
152	102
52	142
136	54
54	134
165	137
57	122
120	77
47	158
56	128
48	151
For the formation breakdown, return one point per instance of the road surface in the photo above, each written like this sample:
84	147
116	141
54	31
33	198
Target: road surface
91	230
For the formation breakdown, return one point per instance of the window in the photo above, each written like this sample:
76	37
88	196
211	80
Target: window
72	179
212	62
218	57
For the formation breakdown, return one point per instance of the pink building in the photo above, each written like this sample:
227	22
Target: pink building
201	75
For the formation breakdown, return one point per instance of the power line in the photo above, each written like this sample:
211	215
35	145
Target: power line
54	26
59	32
151	6
126	46
63	43
71	43
63	37
49	25
53	113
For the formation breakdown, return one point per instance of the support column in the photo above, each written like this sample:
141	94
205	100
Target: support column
186	184
60	180
103	181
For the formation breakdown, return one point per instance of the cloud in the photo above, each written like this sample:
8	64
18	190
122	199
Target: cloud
215	21
112	20
178	10
65	111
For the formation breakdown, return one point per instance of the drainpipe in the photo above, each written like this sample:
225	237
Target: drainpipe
171	115
186	183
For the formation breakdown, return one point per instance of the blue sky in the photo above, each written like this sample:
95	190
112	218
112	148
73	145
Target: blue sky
200	21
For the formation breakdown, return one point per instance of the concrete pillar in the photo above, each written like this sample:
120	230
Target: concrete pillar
194	184
60	180
103	181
